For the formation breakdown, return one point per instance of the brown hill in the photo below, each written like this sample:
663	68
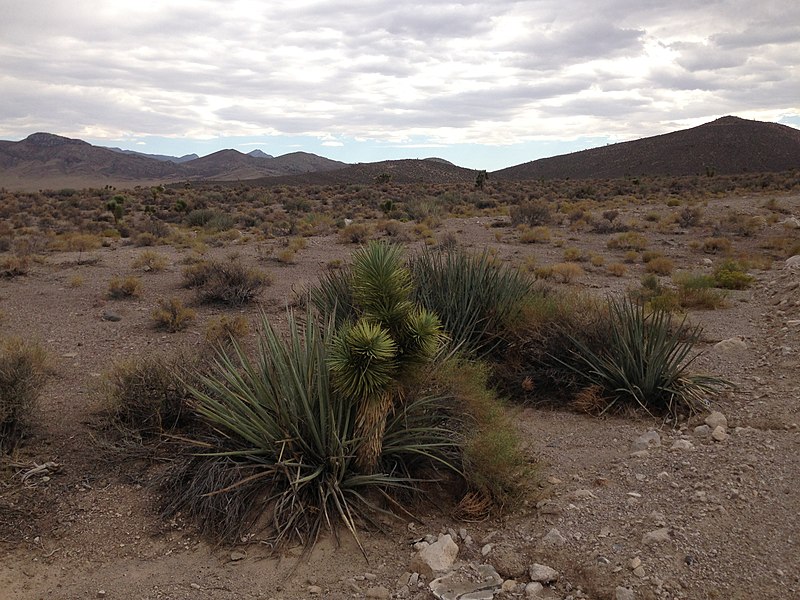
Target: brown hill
727	146
398	171
44	159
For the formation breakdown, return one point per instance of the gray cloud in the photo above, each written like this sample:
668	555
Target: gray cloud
448	71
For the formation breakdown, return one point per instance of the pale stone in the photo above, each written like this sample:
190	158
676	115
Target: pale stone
436	558
542	573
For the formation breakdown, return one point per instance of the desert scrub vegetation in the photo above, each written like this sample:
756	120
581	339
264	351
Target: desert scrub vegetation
151	261
150	395
532	213
644	363
630	240
226	282
171	315
124	287
534	235
22	375
732	275
223	329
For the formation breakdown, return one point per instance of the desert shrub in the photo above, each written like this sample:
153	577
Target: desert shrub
732	275
698	291
535	235
22	375
476	298
645	363
566	272
13	266
150	261
223	329
149	394
531	213
355	233
597	260
616	269
287	440
628	241
145	238
655	295
573	254
227	282
661	265
716	244
171	315
689	216
124	287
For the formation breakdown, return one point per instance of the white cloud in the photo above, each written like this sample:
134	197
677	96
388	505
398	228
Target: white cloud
437	72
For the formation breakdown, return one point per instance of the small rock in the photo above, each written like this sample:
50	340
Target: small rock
651	439
634	562
194	586
101	593
554	538
236	555
702	431
657	536
486	550
622	593
314	590
640	454
716	419
379	592
533	589
793	262
730	345
582	494
719	434
110	316
436	558
639	571
509	585
542	573
682	445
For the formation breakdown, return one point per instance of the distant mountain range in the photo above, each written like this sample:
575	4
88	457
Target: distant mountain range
726	146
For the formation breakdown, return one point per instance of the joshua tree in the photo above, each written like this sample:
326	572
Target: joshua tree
372	360
480	179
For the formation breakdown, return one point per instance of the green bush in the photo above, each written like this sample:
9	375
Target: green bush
22	374
476	298
287	443
644	362
731	275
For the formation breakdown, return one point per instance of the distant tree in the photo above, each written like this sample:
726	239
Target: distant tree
116	207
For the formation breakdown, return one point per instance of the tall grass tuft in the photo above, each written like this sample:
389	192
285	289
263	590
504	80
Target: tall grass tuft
22	371
645	362
476	298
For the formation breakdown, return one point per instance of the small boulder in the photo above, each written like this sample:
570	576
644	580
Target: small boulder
716	419
534	589
731	345
554	538
657	536
793	262
542	573
682	445
436	558
719	434
651	439
702	431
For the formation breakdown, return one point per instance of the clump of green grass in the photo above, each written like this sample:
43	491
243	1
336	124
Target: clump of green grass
732	275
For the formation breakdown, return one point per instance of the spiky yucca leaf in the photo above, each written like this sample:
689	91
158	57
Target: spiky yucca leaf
646	361
362	360
422	338
382	284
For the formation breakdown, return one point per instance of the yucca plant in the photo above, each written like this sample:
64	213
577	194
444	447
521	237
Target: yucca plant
475	297
645	362
371	359
286	441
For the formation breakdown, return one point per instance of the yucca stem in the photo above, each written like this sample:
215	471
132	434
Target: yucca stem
370	427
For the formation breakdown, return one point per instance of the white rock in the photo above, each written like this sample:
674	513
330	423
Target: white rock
622	593
651	439
554	538
791	223
542	573
731	345
534	589
702	431
657	536
793	262
682	445
314	590
436	558
716	419
719	434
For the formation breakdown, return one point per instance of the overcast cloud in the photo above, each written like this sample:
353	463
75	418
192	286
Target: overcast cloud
485	83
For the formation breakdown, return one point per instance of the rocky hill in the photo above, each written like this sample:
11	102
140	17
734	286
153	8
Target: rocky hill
729	145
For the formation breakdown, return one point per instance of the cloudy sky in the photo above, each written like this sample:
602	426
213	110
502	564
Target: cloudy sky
483	84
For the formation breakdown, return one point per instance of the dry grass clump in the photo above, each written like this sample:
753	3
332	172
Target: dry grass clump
148	260
535	235
531	213
124	287
660	265
355	233
616	269
630	240
14	266
716	245
224	329
227	282
171	315
22	375
566	272
150	394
